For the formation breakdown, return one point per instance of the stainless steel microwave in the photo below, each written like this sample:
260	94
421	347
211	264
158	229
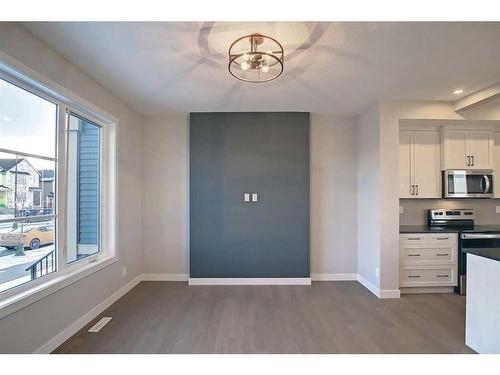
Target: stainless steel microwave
468	183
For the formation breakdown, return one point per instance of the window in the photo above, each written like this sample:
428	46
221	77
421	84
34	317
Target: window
56	186
28	126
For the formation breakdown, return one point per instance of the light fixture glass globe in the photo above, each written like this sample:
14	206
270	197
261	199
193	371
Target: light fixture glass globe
264	66
245	65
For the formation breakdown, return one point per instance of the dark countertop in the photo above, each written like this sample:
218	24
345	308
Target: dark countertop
491	252
426	229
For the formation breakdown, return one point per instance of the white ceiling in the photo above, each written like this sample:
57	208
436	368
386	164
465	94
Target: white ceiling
338	68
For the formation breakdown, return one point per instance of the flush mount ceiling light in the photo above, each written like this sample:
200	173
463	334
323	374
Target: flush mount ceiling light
256	58
458	91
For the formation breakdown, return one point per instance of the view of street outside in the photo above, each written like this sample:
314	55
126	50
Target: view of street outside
27	185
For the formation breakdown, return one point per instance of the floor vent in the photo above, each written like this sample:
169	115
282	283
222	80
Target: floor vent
101	323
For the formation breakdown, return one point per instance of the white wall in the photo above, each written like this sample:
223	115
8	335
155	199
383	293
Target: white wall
165	194
29	328
368	195
333	195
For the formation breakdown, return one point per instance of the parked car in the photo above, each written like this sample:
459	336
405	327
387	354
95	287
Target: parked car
32	237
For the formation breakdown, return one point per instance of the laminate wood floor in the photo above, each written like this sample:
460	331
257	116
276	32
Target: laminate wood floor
327	317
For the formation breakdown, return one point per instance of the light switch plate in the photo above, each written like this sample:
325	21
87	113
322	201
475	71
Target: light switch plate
497	209
246	197
254	197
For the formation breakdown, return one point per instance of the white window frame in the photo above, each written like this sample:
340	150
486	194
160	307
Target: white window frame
22	295
93	257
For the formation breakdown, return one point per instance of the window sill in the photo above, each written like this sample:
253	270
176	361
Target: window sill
22	299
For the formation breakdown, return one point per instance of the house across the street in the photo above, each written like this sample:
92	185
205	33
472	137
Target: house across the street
23	187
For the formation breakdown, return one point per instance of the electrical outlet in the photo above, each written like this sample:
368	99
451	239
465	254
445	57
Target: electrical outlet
401	210
246	197
377	272
497	209
124	271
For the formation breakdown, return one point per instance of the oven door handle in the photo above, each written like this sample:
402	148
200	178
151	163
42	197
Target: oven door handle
479	236
487	184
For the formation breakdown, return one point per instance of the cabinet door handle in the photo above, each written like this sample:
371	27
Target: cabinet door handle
468	161
414	238
413	276
442	275
412	189
413	255
472	157
442	255
417	189
442	238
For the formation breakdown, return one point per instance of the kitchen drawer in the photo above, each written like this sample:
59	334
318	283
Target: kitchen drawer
443	238
434	238
428	276
427	254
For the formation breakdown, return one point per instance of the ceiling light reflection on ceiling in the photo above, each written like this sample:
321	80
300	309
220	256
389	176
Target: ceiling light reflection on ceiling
458	91
262	62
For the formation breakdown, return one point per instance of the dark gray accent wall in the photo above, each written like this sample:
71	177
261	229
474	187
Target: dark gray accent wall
249	152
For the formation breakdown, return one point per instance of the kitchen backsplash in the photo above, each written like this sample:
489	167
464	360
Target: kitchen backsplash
415	210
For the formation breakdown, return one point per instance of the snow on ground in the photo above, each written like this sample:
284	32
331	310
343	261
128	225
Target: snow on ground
13	268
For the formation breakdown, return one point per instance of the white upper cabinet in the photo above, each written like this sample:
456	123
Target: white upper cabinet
467	149
480	145
419	164
427	163
454	149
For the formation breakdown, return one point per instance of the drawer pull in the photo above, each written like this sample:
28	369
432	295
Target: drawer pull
442	238
413	255
413	276
414	238
442	275
442	255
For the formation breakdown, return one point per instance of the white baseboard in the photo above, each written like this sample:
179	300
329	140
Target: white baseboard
380	293
251	281
164	277
334	276
368	285
69	331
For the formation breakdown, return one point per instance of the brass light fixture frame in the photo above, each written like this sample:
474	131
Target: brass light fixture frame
256	40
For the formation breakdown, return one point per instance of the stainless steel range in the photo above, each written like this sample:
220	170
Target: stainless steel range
470	235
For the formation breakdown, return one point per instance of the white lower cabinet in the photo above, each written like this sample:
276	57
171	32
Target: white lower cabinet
428	261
